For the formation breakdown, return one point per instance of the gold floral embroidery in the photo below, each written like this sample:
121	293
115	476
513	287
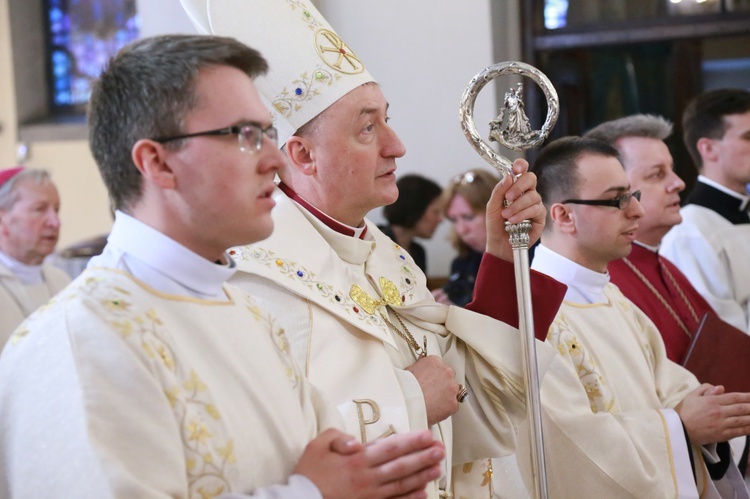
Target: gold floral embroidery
194	384
307	16
306	87
597	391
209	455
198	431
22	331
308	279
18	335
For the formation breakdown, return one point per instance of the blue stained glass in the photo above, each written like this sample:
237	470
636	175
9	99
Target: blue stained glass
555	13
84	34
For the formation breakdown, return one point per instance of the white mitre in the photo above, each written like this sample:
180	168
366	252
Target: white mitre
311	67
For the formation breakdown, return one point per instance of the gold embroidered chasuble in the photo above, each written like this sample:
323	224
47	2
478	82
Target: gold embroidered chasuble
304	274
605	435
210	385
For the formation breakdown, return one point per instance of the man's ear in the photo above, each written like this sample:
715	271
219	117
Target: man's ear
300	154
707	148
151	160
563	218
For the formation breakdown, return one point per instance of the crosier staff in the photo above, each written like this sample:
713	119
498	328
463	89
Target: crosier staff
511	129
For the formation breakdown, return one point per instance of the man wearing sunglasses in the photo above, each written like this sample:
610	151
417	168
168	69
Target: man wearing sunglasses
616	410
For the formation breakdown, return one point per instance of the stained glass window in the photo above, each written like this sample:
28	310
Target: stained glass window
82	35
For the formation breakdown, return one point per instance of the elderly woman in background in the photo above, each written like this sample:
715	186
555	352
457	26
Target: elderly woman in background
465	200
416	213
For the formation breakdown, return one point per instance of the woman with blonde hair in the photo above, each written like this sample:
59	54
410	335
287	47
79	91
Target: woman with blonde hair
465	200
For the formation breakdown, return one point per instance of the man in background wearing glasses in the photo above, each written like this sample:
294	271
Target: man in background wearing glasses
616	410
149	376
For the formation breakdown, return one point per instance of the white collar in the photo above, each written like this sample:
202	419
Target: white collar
27	274
584	285
745	198
162	262
653	249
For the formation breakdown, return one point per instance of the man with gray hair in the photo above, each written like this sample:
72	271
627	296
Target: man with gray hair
29	228
648	279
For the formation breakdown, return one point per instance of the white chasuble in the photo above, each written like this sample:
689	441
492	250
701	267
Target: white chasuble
111	363
334	295
608	428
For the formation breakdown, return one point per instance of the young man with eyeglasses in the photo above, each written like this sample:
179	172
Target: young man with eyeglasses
625	420
648	279
149	376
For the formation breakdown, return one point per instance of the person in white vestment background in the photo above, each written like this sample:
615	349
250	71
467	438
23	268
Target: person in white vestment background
29	229
620	418
149	376
357	309
712	244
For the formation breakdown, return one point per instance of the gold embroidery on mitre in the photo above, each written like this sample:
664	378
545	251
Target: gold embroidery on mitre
305	88
307	16
336	54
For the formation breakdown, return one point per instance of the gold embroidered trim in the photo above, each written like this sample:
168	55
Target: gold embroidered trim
303	89
568	345
308	279
208	452
307	16
160	294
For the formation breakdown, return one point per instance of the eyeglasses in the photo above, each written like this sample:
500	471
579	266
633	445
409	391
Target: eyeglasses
620	202
249	135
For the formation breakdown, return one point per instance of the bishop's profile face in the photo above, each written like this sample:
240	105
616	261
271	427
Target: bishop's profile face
355	151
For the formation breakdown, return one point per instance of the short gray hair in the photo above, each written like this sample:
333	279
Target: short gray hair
637	125
8	193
